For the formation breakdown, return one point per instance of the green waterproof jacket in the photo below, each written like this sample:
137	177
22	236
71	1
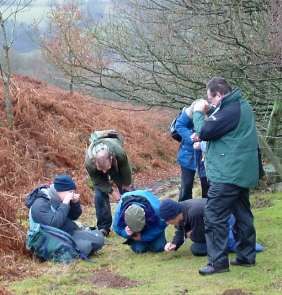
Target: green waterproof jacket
232	149
120	174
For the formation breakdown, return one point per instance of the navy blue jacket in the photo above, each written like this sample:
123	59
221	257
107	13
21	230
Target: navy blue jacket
52	212
193	220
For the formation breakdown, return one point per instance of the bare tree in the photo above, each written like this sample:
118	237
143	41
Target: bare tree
67	42
275	37
162	52
9	10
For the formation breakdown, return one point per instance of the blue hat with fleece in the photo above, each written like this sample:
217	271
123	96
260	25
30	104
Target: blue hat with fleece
63	183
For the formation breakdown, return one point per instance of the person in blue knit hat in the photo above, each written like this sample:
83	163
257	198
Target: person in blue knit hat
188	219
61	207
58	206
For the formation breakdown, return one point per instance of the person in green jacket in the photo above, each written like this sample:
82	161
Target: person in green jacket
108	167
232	167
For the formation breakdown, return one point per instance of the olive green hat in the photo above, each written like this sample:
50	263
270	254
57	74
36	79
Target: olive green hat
134	217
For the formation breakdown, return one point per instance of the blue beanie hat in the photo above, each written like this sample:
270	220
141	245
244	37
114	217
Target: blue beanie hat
63	183
169	209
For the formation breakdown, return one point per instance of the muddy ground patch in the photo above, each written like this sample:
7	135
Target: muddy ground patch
105	278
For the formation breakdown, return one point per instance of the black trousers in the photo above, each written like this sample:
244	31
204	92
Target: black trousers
103	210
224	199
187	181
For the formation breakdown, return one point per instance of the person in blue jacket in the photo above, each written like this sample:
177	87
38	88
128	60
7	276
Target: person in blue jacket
137	219
188	158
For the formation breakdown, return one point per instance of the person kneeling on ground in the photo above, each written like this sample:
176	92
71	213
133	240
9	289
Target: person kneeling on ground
188	218
137	220
54	209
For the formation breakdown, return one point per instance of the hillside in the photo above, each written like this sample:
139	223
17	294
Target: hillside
51	134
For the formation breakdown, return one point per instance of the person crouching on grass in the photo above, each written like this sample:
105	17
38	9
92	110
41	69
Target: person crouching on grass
137	220
188	219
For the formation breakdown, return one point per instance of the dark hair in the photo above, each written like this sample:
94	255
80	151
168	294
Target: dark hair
218	84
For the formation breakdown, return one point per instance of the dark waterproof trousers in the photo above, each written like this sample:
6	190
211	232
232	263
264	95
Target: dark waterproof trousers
187	181
224	199
103	210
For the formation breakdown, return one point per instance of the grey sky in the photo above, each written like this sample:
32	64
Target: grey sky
39	9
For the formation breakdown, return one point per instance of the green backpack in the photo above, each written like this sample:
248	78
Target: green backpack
50	243
47	242
101	134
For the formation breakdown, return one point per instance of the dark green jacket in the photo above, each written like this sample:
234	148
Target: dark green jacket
120	174
232	149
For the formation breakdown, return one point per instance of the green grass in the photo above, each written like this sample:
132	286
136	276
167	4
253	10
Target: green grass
169	273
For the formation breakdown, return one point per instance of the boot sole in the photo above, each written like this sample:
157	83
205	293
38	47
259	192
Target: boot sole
243	265
215	272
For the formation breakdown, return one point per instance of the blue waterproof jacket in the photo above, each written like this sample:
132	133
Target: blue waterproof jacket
187	157
151	205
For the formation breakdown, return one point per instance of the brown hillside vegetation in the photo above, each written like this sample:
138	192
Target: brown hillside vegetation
51	134
5	292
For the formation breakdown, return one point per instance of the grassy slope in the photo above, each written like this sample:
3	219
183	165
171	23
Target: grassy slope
170	273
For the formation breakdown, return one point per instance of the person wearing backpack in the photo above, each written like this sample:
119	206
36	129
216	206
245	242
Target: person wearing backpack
108	166
53	209
188	158
137	219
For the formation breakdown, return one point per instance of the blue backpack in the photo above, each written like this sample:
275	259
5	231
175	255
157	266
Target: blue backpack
172	130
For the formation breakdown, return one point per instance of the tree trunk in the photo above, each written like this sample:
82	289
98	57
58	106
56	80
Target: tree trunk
8	100
71	85
274	122
270	155
6	76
